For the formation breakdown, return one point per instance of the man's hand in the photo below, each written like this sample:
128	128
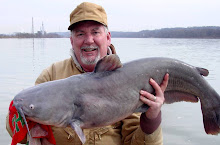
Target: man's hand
154	102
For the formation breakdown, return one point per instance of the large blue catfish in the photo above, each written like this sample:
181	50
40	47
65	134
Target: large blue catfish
111	93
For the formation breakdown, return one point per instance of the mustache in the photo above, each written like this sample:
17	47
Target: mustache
89	47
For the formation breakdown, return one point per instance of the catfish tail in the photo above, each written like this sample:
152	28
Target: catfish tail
211	114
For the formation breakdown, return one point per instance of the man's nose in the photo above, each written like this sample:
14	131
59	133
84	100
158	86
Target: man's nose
89	39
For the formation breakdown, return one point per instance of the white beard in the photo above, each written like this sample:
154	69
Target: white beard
89	61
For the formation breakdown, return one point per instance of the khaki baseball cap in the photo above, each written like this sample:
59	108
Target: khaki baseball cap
88	11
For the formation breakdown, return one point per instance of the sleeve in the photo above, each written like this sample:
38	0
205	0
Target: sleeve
132	133
149	125
24	141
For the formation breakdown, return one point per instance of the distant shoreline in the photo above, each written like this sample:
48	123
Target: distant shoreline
205	32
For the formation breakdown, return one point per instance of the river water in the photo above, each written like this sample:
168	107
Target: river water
22	60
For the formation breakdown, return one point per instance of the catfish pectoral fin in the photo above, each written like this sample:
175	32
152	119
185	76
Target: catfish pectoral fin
76	126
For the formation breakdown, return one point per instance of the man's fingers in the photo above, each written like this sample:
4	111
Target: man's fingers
147	95
147	101
164	84
157	88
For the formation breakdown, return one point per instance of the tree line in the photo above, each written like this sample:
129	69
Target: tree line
189	32
30	35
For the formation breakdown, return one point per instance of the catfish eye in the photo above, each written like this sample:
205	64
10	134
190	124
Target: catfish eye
31	106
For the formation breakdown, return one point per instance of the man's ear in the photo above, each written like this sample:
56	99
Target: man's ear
109	38
71	40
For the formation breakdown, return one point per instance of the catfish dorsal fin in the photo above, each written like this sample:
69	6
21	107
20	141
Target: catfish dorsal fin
108	63
203	71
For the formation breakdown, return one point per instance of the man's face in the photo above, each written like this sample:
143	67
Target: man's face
90	42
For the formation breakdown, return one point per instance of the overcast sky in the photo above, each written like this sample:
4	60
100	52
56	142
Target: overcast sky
123	15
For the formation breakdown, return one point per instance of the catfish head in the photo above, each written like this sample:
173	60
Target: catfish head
38	104
30	106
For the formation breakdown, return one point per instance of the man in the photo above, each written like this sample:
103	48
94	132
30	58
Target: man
91	41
